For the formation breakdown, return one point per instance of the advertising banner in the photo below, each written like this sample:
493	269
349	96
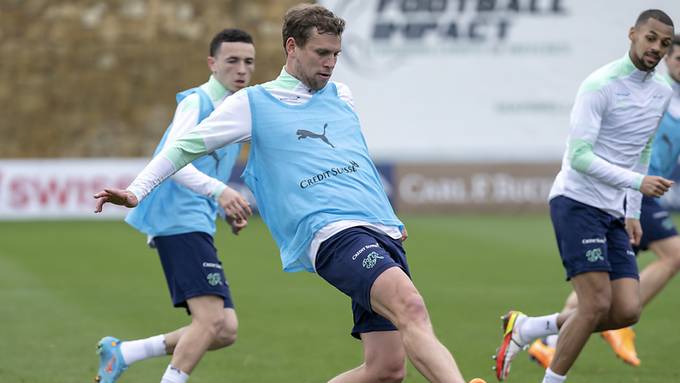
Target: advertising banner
476	80
64	188
488	187
59	188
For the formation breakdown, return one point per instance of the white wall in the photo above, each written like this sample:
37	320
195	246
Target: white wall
501	90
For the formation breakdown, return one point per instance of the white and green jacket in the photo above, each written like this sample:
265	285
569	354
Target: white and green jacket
615	114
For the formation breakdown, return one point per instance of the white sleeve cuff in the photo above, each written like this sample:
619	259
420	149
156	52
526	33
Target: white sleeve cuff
217	191
137	192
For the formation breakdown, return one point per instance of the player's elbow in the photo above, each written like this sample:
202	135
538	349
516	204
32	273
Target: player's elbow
580	158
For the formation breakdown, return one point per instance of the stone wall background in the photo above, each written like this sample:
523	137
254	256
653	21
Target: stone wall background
94	78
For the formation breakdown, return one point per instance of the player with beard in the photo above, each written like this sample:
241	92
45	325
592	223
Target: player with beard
614	118
659	233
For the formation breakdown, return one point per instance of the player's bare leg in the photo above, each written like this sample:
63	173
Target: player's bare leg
594	293
211	325
653	279
656	275
378	365
172	338
394	296
602	305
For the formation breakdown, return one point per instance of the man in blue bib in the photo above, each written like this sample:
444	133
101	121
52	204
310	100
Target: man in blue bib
321	197
179	219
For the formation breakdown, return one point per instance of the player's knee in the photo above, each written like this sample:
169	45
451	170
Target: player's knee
390	372
595	307
673	262
227	336
628	316
631	319
392	375
222	332
414	310
226	333
669	253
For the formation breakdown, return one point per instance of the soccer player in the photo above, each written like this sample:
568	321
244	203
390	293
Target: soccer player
615	114
179	219
658	231
321	197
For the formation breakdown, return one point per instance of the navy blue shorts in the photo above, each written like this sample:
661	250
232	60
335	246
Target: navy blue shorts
192	268
589	239
656	223
351	261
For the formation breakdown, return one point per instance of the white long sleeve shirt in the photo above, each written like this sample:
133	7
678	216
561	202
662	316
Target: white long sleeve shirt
615	115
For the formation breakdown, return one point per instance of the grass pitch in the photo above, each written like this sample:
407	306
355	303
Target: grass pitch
64	285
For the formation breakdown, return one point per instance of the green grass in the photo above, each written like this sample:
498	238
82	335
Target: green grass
63	285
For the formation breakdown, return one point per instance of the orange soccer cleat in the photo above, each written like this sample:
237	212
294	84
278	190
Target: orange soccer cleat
622	342
541	353
511	345
477	380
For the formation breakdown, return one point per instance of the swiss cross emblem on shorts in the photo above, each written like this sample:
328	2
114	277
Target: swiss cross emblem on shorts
214	279
371	260
594	255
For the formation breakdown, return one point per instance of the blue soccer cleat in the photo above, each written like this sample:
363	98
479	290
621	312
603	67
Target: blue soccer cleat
111	363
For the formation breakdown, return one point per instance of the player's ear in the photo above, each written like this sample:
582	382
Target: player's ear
211	64
631	34
290	46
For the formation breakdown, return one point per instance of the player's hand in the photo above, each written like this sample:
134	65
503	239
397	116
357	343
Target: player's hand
237	226
116	197
235	206
655	186
634	230
404	234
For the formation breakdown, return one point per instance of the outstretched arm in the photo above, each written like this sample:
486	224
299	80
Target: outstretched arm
116	197
229	123
153	174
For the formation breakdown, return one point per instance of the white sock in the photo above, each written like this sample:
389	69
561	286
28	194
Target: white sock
551	340
174	375
551	377
136	350
537	327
